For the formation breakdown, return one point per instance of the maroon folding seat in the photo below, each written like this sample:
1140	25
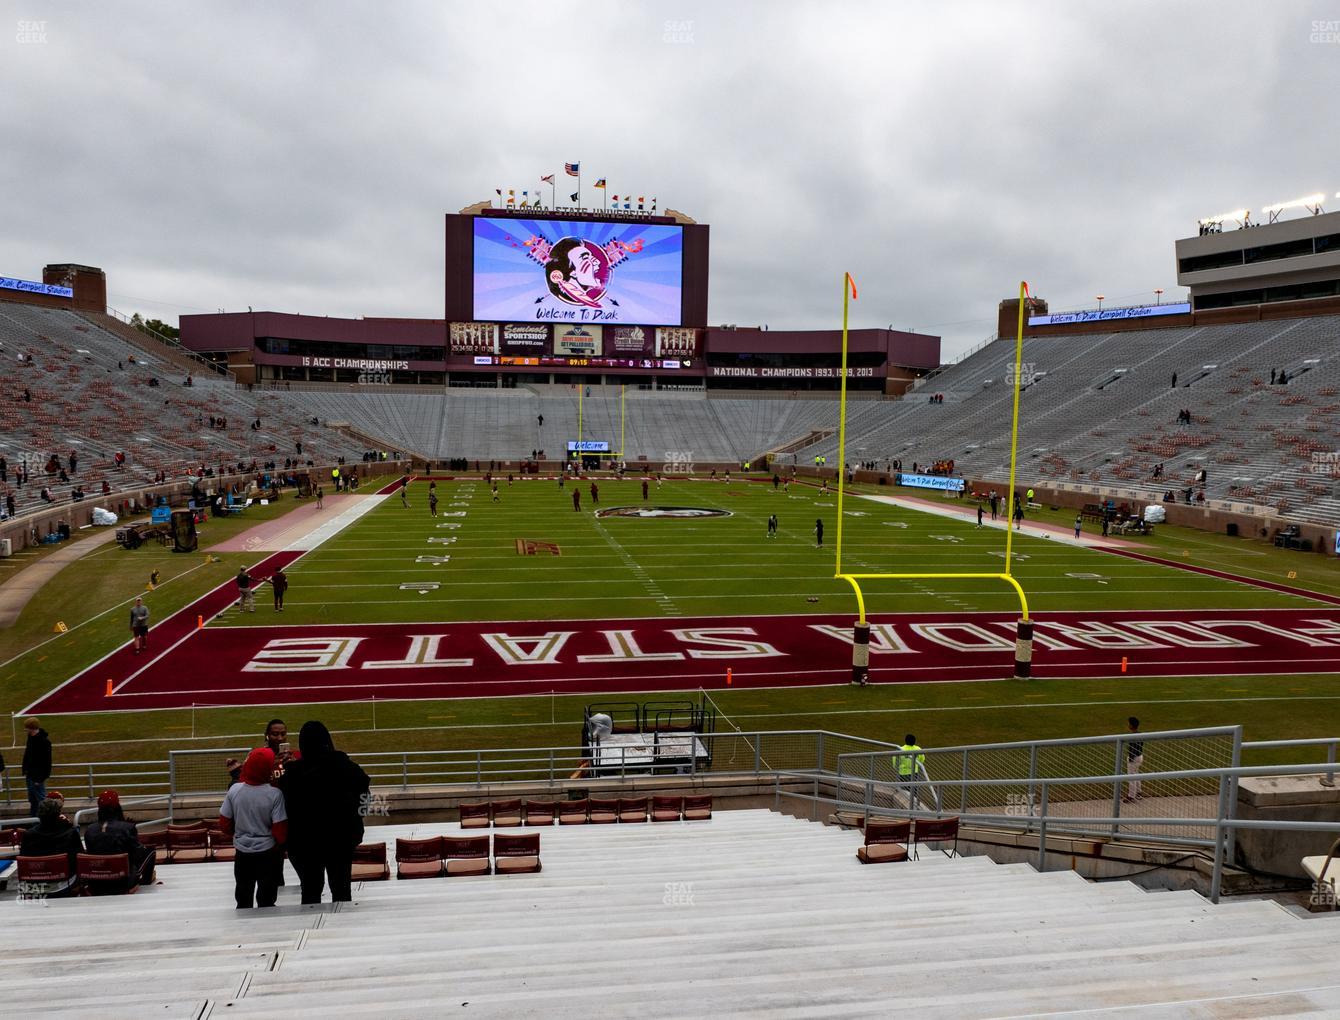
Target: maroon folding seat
541	812
466	855
418	858
604	812
476	816
697	808
574	812
885	842
370	863
516	854
666	809
632	809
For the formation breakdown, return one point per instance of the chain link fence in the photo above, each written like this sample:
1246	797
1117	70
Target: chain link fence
949	772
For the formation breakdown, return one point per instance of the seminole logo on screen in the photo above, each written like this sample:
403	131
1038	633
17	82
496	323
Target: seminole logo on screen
681	512
577	271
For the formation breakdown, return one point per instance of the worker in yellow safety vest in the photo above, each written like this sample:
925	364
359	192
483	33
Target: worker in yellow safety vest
909	765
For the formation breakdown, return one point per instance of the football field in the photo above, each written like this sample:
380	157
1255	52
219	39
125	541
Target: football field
682	588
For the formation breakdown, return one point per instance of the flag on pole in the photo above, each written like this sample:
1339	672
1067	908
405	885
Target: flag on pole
851	284
499	191
653	204
511	191
616	199
572	169
599	184
574	196
547	179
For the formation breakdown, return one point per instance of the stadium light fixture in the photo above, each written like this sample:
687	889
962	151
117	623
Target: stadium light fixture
1236	214
1099	298
1158	295
1310	202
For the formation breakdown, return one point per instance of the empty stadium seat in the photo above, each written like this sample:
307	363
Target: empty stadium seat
666	809
574	812
604	812
370	864
466	855
697	808
476	815
506	812
884	842
419	858
541	812
936	830
187	844
516	854
632	809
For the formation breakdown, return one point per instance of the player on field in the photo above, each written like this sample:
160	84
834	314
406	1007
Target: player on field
432	503
595	495
404	492
818	533
980	514
576	499
772	526
644	490
496	498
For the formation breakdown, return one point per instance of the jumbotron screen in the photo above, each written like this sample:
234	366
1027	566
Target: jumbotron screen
571	271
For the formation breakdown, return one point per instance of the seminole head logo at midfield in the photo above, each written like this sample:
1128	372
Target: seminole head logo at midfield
576	270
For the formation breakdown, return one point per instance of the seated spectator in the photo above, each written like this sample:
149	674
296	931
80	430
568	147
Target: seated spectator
46	495
112	834
53	834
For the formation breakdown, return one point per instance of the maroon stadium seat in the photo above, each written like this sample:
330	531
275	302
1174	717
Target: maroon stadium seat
475	816
936	830
466	855
667	809
506	812
418	858
516	854
187	844
106	874
370	863
697	809
574	812
632	809
885	842
604	812
541	812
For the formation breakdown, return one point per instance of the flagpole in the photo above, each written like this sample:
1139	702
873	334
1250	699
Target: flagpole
553	195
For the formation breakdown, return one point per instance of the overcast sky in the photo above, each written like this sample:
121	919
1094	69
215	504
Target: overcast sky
298	156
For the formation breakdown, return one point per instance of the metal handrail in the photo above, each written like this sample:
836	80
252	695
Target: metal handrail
175	345
1330	743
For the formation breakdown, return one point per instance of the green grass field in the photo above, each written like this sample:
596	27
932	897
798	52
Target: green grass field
617	567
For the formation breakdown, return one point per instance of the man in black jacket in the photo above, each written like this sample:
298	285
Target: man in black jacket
53	835
36	762
112	834
325	795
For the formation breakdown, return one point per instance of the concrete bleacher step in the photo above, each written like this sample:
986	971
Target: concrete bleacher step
783	921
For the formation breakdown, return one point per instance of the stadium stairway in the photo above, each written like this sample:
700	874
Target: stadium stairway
752	912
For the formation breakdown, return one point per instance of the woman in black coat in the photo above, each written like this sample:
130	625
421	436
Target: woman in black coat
325	795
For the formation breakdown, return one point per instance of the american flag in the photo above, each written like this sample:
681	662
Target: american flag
572	169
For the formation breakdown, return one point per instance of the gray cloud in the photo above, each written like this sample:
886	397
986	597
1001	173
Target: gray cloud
299	156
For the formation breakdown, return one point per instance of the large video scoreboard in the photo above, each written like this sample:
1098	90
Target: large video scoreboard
578	274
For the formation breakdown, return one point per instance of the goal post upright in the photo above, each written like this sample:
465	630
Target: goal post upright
860	645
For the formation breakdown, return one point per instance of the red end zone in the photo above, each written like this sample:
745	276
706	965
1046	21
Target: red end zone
282	665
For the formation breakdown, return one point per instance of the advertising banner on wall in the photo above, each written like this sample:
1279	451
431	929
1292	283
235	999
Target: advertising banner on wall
578	341
631	341
524	339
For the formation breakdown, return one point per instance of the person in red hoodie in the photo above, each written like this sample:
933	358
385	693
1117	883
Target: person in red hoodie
253	813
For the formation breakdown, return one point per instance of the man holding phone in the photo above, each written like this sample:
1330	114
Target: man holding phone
276	739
